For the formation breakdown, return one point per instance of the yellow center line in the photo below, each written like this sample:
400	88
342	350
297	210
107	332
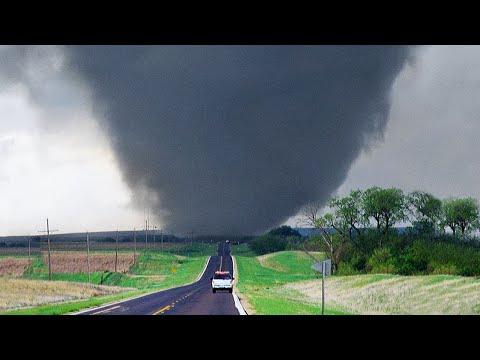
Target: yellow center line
172	305
162	310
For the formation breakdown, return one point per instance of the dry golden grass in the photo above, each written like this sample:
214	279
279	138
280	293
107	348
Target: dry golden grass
384	294
13	266
71	262
20	293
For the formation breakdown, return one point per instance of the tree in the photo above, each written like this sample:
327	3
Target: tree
461	214
386	206
334	242
349	214
426	210
267	244
310	213
284	231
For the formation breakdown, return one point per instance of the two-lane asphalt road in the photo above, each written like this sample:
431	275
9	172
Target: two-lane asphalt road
193	299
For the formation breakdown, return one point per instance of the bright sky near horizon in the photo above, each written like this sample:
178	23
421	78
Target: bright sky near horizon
70	174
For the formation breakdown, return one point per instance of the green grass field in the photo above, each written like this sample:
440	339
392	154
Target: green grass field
262	280
242	250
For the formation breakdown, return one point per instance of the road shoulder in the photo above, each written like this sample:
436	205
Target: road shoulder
240	299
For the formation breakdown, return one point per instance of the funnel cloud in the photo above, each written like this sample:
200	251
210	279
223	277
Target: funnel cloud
236	139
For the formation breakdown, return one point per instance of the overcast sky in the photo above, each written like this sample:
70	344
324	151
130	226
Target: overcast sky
56	160
432	138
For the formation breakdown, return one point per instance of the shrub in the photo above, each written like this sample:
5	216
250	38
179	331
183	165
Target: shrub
268	243
447	269
345	268
414	260
381	261
358	262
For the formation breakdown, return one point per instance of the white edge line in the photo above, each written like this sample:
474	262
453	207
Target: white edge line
109	309
238	304
204	268
140	296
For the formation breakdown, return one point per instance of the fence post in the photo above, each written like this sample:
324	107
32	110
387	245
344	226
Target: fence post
323	287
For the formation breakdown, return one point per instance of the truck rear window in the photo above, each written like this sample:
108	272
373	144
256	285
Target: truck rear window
222	276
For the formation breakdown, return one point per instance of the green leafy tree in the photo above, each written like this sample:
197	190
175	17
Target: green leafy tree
349	218
462	214
386	206
426	210
284	231
267	244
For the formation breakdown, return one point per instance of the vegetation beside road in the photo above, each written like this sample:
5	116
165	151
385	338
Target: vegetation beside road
262	280
152	271
26	293
358	234
283	283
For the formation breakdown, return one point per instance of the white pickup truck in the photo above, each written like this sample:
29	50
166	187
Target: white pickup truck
222	280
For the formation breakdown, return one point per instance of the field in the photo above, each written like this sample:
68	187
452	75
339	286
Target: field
283	283
182	248
263	285
72	262
394	294
19	293
13	266
153	270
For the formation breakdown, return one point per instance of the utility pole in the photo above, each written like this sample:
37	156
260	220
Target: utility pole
48	240
116	251
88	258
154	231
146	234
29	241
162	239
134	246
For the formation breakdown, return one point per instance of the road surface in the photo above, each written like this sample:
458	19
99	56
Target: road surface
193	299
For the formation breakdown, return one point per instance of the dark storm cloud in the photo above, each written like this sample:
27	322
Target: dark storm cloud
238	138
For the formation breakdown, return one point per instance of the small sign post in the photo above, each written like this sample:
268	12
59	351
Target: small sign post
325	267
323	287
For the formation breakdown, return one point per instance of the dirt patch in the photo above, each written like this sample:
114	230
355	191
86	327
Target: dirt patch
74	262
13	266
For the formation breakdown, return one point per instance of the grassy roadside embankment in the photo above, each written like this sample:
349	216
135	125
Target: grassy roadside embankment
283	283
262	280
